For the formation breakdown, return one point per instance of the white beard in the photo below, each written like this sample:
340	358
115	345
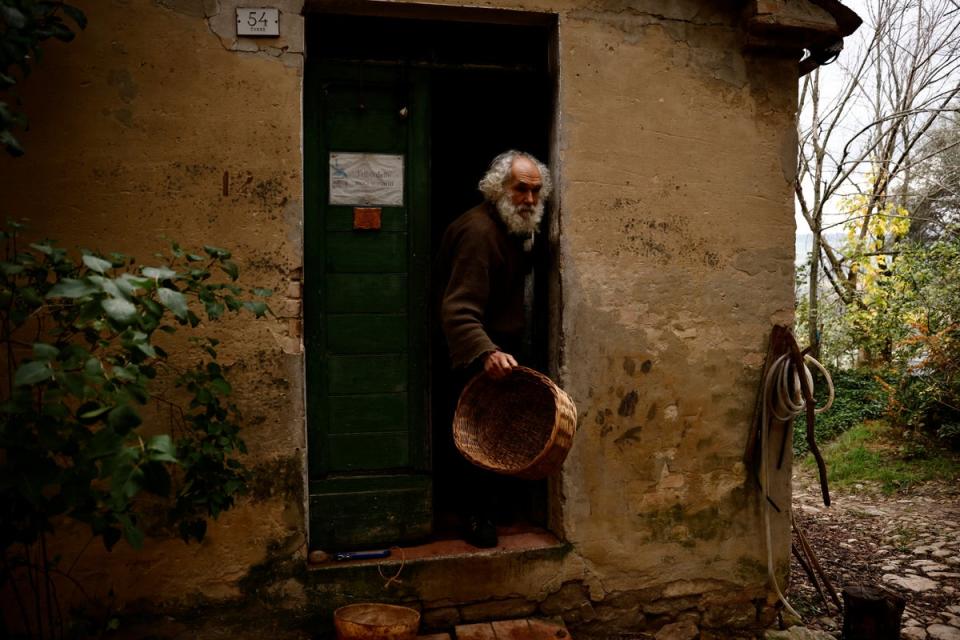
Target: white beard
522	220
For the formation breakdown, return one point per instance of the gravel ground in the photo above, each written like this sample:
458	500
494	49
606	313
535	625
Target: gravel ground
908	542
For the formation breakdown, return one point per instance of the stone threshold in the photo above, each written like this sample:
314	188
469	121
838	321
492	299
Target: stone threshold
511	541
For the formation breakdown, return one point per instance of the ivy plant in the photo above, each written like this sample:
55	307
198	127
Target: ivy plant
105	398
24	26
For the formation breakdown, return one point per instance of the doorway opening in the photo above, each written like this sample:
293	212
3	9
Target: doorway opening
467	91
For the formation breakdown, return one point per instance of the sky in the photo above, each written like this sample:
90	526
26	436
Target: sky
832	79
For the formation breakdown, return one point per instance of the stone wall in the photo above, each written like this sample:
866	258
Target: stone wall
675	155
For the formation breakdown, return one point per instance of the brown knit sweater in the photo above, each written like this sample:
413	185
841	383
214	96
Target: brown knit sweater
481	279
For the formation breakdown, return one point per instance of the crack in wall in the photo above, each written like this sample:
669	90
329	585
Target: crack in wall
641	18
222	27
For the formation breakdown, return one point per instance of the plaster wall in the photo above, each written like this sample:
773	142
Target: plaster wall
675	153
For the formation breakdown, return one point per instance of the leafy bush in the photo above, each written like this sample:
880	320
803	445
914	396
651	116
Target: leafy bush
84	350
874	452
24	25
859	395
927	396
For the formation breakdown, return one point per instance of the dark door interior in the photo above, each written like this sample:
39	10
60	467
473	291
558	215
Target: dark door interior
377	405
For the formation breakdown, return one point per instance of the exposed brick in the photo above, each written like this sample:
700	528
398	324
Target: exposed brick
498	609
735	615
287	308
295	327
629	618
570	596
295	289
583	613
689	587
766	615
628	599
671	605
684	630
725	634
442	618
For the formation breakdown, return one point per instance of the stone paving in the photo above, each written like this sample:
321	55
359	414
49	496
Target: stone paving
908	542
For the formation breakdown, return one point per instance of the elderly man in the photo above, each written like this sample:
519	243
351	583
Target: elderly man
484	258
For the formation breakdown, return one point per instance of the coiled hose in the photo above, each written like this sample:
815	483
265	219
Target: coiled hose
783	401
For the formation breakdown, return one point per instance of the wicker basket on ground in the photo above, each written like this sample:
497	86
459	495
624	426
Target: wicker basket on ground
521	425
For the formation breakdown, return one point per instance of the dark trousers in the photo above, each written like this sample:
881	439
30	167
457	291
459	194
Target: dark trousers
466	489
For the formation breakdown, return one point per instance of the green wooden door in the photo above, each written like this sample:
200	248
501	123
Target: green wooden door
366	296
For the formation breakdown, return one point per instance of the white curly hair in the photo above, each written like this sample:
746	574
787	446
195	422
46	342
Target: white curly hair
495	180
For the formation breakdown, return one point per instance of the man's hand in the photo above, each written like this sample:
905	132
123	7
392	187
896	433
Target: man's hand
498	364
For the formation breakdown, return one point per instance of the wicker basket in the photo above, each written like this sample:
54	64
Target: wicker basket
521	425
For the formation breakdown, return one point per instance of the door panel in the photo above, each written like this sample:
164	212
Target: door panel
366	333
340	218
352	375
366	252
362	293
369	451
368	413
366	313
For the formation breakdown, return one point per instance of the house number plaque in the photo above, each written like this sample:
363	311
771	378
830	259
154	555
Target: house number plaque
258	21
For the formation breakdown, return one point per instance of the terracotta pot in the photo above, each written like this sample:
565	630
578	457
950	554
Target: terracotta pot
373	621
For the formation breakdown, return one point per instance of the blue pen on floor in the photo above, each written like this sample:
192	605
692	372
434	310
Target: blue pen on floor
361	555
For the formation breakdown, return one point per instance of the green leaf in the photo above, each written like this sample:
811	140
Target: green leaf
263	293
120	310
97	264
30	296
92	367
43	351
89	411
258	308
75	14
42	247
61	32
123	418
159	273
221	385
174	301
133	535
11	144
75	383
10	269
12	16
147	349
32	373
161	449
216	252
214	310
129	284
70	288
105	442
125	374
109	286
231	269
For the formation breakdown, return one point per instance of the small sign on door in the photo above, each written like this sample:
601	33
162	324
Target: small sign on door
258	21
373	179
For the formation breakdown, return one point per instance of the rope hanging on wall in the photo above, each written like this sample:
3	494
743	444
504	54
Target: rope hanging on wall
785	397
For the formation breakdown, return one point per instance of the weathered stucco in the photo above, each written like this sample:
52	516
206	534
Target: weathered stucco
674	229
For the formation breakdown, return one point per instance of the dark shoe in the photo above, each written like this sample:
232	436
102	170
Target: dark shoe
480	532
